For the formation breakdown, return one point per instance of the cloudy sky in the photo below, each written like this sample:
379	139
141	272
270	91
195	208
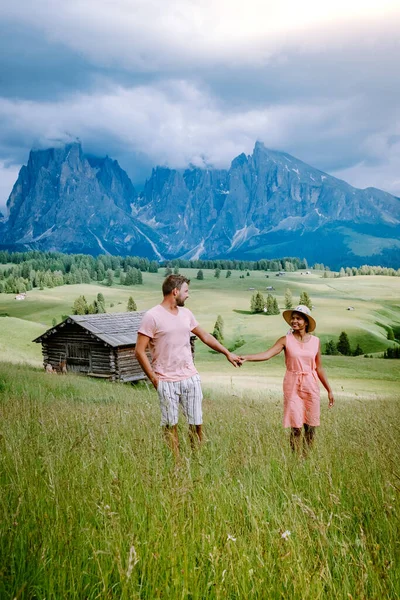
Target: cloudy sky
199	81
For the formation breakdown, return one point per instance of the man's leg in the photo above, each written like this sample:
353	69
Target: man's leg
169	404
191	399
295	439
171	437
195	435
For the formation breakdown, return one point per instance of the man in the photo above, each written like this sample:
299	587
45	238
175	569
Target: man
166	330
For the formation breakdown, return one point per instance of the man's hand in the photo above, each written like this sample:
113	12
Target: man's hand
233	359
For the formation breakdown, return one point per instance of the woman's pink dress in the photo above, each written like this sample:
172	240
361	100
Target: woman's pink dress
301	395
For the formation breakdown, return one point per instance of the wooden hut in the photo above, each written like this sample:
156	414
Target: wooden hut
97	345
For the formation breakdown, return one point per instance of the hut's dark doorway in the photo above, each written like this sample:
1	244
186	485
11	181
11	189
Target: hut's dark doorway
78	358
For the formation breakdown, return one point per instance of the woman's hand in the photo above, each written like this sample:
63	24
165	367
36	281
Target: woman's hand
331	399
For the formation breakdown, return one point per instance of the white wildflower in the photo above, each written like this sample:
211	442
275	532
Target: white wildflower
231	538
286	534
132	561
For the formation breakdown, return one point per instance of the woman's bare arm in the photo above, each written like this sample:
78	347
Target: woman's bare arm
273	351
323	378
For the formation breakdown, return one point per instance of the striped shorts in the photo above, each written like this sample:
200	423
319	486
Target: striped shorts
187	393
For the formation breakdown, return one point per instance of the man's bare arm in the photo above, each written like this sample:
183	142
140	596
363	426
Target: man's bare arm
140	353
210	341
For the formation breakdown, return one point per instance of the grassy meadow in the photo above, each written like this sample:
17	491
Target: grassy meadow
92	505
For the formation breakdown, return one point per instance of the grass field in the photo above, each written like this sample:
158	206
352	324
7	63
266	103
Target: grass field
92	505
376	301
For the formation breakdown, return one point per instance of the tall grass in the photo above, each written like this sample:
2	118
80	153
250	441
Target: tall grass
93	506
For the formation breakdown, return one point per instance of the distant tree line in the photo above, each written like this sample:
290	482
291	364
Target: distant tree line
81	306
259	304
342	346
289	264
27	270
392	352
34	269
363	270
98	306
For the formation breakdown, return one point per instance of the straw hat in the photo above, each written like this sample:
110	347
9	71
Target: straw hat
304	310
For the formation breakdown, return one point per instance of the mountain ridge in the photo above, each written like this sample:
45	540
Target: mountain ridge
265	205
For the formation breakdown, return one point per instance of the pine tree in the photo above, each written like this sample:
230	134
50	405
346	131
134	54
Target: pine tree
200	275
92	308
275	307
288	299
217	273
270	305
129	277
330	348
80	306
257	303
176	270
228	273
109	278
100	307
390	334
305	300
343	345
131	306
218	332
168	271
358	351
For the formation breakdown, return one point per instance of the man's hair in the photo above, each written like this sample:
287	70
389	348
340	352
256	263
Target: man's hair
172	282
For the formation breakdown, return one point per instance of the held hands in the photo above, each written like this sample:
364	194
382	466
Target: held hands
234	359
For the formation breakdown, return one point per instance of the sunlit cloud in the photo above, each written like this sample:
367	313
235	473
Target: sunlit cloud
199	81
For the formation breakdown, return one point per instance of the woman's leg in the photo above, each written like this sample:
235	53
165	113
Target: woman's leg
309	434
295	438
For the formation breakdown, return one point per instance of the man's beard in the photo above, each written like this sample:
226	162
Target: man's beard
180	302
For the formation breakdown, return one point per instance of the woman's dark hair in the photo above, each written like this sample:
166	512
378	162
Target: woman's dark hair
173	282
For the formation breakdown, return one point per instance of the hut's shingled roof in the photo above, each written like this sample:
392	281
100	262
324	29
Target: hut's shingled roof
115	329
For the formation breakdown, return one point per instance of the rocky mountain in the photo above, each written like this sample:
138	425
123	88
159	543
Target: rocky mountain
268	204
67	201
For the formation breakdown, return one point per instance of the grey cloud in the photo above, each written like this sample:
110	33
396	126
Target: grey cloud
148	86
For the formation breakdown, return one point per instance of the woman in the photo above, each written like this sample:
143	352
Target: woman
303	370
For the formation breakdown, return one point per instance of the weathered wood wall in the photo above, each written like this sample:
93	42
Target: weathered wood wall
127	366
84	353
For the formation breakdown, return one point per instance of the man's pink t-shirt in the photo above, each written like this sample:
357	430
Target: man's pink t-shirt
170	342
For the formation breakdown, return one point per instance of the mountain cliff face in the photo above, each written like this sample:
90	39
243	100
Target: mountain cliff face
64	200
268	204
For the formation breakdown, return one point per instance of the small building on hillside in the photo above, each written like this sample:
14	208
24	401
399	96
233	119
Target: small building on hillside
100	345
